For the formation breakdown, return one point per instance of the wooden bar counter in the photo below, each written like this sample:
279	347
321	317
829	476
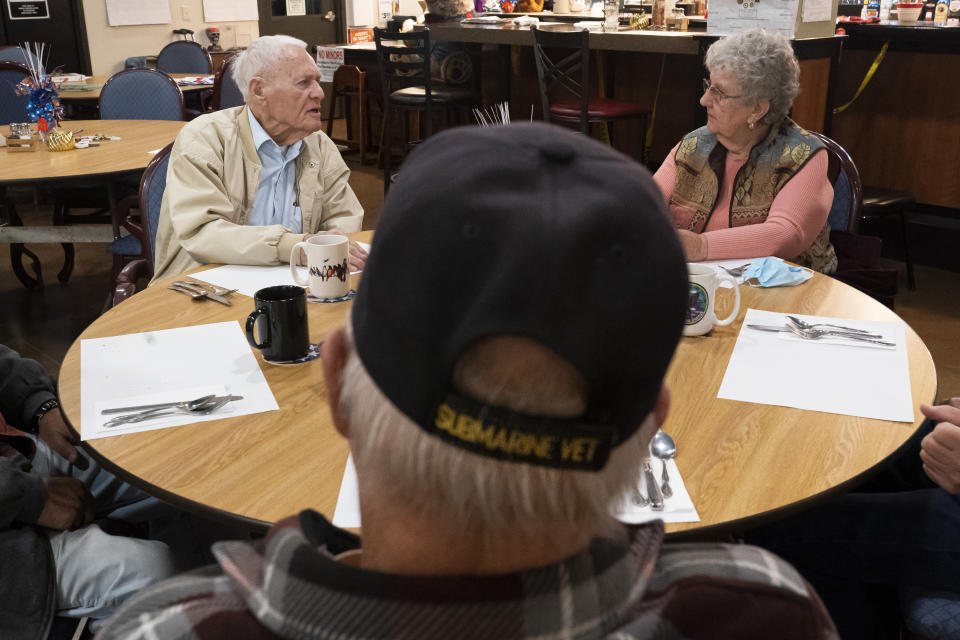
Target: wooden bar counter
903	129
661	67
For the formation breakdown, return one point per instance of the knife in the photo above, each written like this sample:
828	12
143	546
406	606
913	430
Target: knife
768	327
653	489
204	292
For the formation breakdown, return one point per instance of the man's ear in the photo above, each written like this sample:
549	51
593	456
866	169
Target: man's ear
255	89
334	355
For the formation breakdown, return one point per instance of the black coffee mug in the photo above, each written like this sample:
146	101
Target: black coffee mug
284	333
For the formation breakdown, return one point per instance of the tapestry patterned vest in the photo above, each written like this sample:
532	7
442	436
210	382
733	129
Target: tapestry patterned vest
772	163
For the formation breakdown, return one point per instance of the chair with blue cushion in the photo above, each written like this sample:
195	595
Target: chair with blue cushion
141	94
13	108
929	613
19	54
139	248
226	93
858	256
184	56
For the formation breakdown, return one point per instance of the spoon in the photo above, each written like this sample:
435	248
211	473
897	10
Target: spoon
664	448
809	325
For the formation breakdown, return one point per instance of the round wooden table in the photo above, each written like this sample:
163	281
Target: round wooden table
741	462
112	157
105	164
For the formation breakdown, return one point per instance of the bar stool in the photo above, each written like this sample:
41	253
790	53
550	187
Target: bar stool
879	202
350	83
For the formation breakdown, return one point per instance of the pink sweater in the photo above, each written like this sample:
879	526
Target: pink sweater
796	216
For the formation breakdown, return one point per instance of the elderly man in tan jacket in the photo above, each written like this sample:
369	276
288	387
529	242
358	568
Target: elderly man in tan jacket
246	184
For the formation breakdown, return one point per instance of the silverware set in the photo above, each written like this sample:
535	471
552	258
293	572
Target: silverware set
202	406
811	331
663	447
202	291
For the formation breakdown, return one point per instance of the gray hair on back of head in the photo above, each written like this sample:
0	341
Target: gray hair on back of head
264	53
764	65
474	492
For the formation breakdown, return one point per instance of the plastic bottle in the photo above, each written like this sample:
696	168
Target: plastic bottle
941	12
658	15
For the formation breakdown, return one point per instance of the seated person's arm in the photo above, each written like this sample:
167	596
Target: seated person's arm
940	449
202	216
24	386
796	216
22	494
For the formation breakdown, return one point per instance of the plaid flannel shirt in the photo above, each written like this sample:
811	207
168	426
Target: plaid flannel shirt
623	589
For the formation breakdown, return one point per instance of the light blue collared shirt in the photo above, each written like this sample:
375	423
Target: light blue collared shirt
276	199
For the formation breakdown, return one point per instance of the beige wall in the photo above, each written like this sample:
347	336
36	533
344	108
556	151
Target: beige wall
110	46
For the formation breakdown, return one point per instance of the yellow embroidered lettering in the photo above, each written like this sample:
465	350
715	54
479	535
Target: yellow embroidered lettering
445	418
467	428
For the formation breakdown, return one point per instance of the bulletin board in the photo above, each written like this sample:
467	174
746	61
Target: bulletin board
230	10
126	12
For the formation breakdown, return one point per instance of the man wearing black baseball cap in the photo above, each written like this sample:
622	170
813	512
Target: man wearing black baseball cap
498	381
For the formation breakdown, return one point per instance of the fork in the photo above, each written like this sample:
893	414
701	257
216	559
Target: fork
816	334
814	325
736	272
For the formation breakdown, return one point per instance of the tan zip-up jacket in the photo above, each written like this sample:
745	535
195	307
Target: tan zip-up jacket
212	181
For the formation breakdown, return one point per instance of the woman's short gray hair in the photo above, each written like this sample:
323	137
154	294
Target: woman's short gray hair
479	493
264	53
764	66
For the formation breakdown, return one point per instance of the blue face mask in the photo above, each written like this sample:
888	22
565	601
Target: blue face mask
774	272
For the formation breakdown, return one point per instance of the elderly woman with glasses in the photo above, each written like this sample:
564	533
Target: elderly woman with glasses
751	182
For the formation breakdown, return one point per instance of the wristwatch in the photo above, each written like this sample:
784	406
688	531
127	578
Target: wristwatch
43	410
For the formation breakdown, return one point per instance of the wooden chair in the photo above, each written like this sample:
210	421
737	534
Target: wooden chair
858	256
350	83
226	93
563	67
135	253
404	65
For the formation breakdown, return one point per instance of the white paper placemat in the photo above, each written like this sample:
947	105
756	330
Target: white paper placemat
173	364
821	375
248	279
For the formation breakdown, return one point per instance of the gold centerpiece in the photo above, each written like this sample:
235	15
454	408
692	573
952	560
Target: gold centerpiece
60	140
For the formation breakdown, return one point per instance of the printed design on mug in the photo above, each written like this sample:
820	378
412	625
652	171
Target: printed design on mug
329	271
697	303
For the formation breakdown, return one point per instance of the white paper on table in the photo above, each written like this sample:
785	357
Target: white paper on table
817	10
248	279
729	264
347	513
820	375
677	508
209	356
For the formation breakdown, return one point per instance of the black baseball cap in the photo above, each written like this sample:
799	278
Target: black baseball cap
525	230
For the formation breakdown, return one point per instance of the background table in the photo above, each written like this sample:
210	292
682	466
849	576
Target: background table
112	160
741	462
68	94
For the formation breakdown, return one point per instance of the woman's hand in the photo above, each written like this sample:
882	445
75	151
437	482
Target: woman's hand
694	245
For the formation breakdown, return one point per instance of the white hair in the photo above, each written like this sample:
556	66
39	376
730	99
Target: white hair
477	493
263	54
764	65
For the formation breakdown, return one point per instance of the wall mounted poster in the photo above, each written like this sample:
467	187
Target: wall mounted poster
230	10
128	12
732	16
28	9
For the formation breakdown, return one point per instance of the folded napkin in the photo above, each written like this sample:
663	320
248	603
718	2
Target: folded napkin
677	508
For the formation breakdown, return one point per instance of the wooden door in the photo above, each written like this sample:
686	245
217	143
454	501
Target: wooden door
59	24
323	23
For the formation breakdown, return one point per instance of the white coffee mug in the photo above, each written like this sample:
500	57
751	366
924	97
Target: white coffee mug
328	271
703	289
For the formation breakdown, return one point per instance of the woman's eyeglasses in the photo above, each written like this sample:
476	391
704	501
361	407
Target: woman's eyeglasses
717	95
